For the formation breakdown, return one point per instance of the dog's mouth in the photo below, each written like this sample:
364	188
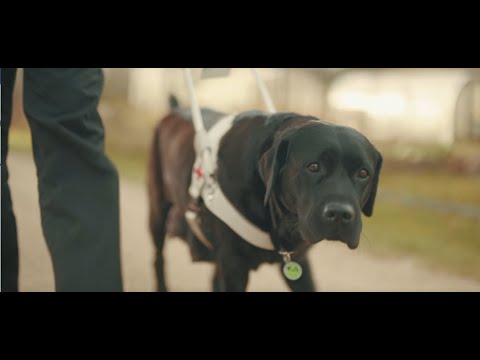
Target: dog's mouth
352	245
351	241
313	231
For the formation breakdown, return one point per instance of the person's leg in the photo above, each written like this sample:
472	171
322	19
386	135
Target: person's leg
78	184
9	226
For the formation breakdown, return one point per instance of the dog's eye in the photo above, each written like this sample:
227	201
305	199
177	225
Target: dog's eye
313	167
363	174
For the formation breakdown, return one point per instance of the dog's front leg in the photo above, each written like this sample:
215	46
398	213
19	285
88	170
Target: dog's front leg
231	275
305	283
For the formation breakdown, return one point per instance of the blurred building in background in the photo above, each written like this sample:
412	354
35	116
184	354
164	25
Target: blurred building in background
432	105
416	105
291	88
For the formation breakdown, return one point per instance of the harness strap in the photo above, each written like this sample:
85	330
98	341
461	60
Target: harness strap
221	207
204	184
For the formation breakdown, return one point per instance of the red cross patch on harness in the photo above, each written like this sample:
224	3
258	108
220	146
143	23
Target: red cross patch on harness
198	172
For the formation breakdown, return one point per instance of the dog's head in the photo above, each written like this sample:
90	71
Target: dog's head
326	175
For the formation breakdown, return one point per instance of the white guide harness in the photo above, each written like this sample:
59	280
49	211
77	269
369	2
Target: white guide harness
204	184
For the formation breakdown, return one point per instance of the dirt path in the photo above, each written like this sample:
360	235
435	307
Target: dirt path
336	268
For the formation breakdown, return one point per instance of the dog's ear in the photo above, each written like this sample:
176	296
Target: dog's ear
368	207
271	164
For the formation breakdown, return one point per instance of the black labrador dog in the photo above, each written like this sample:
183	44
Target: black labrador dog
299	178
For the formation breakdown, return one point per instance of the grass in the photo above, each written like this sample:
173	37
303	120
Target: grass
20	139
131	165
447	186
435	174
448	242
445	241
413	152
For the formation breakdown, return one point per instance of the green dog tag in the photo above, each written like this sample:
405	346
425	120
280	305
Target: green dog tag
292	271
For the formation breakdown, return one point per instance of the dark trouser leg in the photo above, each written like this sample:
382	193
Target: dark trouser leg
9	227
78	185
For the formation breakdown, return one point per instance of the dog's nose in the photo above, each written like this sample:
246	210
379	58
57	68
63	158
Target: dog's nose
338	212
